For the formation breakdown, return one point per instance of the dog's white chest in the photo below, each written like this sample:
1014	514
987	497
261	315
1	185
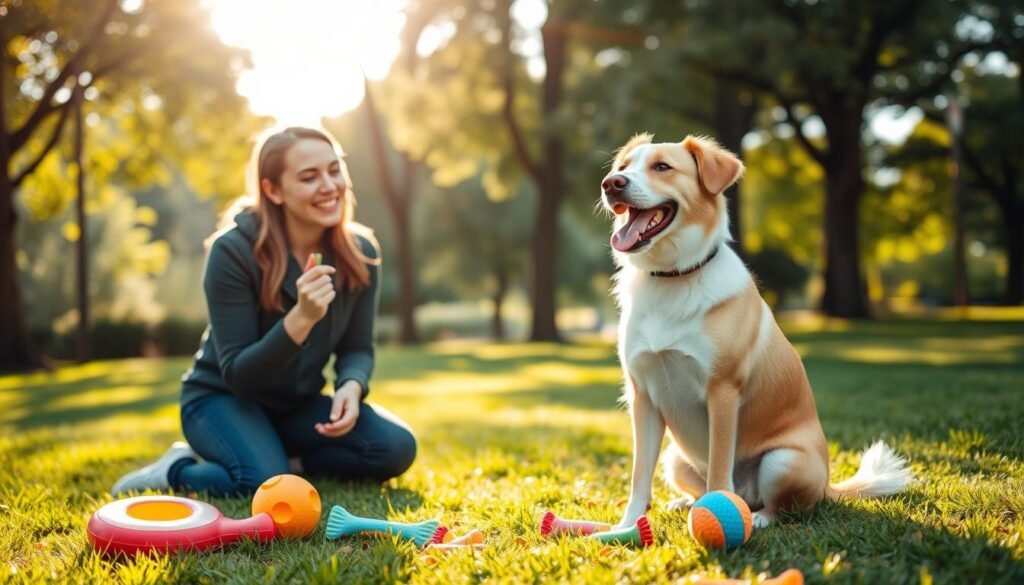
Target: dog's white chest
659	334
667	350
672	366
670	353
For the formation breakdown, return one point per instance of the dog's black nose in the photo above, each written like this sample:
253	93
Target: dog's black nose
615	184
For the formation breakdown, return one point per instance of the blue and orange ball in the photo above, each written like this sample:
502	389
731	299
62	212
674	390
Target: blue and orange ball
720	520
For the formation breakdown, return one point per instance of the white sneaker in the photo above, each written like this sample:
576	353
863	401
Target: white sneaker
154	475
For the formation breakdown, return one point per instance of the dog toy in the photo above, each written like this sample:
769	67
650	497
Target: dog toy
169	524
313	260
720	520
638	534
292	502
445	541
471	537
788	577
447	548
551	525
341	523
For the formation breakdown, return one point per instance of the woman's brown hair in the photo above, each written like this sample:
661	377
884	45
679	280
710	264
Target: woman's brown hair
271	246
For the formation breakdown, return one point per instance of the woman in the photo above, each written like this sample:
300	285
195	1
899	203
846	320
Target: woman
252	404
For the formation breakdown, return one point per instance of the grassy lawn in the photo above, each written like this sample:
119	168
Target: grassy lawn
507	431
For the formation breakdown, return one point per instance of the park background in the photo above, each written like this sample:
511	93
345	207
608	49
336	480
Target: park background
882	212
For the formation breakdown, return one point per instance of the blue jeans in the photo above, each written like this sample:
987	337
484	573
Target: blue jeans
243	445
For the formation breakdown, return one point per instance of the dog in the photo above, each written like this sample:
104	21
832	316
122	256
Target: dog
701	353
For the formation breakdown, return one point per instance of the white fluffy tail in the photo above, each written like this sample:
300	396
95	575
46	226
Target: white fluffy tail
882	472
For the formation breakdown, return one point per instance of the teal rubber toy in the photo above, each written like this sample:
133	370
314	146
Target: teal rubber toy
341	523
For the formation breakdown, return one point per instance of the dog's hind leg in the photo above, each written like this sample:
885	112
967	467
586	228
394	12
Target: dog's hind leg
789	479
682	475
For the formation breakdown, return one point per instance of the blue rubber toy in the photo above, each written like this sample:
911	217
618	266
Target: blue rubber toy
341	523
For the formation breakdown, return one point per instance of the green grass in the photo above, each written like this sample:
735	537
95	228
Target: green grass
507	431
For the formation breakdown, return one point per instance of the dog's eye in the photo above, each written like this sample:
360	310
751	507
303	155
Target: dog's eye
661	167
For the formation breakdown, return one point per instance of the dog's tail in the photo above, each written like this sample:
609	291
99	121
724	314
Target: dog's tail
882	472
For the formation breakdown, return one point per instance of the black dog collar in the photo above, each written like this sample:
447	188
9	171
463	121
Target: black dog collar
689	270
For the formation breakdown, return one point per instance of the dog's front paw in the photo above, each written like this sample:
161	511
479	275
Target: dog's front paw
684	502
627	521
761	519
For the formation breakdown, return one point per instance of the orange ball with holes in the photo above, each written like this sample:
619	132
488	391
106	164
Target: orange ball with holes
292	502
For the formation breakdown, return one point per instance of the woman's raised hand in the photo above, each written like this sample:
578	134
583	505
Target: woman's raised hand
316	290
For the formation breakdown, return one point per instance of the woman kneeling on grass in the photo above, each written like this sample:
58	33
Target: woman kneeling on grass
251	405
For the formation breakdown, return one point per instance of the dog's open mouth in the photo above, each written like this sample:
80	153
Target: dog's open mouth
642	225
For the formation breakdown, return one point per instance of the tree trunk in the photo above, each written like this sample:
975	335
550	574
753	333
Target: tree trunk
498	301
733	115
407	334
844	294
83	349
954	121
399	204
1013	221
17	352
549	203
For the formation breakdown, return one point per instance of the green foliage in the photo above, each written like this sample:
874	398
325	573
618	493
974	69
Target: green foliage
994	135
471	243
777	272
123	260
525	428
446	110
147	70
782	204
159	104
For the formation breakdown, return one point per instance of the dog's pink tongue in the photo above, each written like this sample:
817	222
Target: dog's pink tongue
628	235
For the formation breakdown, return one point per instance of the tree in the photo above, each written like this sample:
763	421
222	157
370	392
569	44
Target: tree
400	197
853	55
56	53
469	251
992	155
488	115
993	148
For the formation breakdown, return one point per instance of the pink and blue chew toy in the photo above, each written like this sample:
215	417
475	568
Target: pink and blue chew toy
638	534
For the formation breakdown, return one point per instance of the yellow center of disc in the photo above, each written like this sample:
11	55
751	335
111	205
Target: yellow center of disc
159	511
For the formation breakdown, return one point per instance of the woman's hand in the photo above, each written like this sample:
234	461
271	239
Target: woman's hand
344	410
316	291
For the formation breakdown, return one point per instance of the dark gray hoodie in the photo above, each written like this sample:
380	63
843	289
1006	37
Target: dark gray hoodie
246	350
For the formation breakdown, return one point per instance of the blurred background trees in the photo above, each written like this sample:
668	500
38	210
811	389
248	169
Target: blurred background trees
477	158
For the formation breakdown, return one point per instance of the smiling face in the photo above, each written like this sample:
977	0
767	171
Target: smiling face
668	192
312	186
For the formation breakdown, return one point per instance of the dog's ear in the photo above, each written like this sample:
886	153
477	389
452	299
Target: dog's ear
717	168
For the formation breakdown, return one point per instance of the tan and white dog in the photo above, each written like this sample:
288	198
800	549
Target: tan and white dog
701	353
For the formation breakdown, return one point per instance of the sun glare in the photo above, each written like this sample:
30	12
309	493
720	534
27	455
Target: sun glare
309	56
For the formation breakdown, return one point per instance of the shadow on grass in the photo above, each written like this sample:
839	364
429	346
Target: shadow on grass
76	394
841	543
484	358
